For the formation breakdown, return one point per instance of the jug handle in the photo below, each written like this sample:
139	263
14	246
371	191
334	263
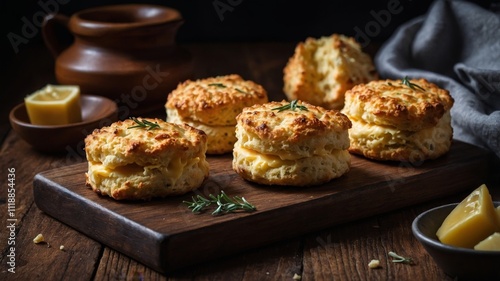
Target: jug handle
53	43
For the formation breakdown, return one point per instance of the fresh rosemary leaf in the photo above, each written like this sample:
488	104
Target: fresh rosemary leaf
413	86
144	124
291	106
225	204
241	91
220	85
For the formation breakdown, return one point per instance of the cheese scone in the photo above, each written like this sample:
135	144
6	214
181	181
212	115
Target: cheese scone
145	158
212	105
322	69
291	143
400	120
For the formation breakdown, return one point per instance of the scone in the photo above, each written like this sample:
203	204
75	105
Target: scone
291	143
321	70
401	120
145	158
212	105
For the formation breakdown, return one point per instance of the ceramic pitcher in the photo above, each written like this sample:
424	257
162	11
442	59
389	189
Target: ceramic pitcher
124	52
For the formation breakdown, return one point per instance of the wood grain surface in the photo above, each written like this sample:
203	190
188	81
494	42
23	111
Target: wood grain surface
166	236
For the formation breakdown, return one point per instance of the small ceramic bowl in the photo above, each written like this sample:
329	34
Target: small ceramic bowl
96	112
459	263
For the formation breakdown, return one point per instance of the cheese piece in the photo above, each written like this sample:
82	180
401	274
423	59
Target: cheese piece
54	105
492	243
471	221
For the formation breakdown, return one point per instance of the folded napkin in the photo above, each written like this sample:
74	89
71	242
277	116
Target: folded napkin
456	45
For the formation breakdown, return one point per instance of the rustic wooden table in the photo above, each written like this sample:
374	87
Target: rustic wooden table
341	252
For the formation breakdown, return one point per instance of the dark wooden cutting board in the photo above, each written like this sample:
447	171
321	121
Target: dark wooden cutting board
166	236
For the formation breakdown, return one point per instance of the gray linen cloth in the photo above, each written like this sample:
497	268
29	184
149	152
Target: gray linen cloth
457	46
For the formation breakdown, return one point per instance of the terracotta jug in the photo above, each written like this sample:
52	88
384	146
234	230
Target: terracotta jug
123	52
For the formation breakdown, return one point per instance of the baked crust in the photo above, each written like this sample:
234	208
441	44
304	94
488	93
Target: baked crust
322	69
391	103
270	124
141	163
215	101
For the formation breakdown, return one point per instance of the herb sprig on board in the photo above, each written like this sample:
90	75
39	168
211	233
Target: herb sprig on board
291	106
144	124
406	81
225	204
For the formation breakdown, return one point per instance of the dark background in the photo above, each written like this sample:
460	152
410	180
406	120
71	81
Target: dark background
243	20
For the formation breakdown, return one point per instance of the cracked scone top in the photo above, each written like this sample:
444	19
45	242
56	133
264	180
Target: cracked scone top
279	145
141	163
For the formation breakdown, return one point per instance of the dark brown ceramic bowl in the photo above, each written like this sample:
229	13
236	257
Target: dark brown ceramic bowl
96	112
459	263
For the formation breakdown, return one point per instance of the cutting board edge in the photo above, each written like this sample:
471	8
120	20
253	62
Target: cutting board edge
74	202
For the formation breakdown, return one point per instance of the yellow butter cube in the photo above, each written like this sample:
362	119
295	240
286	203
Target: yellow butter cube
54	105
471	221
492	243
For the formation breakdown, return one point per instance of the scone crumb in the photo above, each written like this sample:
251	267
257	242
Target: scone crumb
297	277
39	239
374	264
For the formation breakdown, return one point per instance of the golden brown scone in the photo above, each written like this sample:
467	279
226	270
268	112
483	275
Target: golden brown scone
400	120
141	163
212	105
291	143
322	69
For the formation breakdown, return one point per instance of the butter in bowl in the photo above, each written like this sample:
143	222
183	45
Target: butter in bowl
462	237
54	105
57	118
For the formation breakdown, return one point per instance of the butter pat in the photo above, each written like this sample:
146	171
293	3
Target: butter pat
54	105
492	243
474	219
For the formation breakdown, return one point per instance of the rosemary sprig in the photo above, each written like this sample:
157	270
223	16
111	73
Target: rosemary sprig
144	124
220	85
292	106
400	259
413	86
225	204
